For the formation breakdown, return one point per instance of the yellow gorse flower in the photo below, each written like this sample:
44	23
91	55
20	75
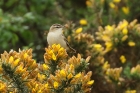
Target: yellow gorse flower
33	65
55	84
108	27
3	87
90	82
124	38
106	38
112	5
46	85
11	59
125	10
97	46
56	47
123	59
77	75
114	73
25	55
83	22
116	1
109	46
41	77
131	43
88	3
54	52
15	63
78	30
135	70
63	73
131	91
61	52
71	68
123	25
69	76
125	31
19	69
106	65
45	67
53	56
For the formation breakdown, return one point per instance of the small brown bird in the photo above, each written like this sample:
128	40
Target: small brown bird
55	36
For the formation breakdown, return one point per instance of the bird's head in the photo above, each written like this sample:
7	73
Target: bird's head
56	27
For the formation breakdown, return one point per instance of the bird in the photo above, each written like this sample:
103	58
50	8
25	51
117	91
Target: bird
56	36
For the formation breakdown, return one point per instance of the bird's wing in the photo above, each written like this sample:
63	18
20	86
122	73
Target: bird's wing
69	44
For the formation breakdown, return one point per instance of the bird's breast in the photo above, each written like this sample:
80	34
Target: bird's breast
54	38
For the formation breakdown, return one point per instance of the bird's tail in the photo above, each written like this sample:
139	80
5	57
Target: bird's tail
72	49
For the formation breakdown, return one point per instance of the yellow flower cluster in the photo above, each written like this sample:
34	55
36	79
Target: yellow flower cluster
3	87
106	66
78	30
135	70
84	37
114	4
83	22
27	76
114	73
123	59
131	43
68	77
38	87
18	67
115	43
54	52
125	10
131	91
98	47
114	35
77	61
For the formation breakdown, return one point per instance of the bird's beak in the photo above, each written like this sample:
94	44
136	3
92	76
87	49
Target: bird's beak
63	26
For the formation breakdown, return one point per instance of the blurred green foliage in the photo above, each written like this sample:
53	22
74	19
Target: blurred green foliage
23	23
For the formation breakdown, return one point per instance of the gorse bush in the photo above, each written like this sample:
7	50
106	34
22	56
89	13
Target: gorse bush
114	54
105	34
20	73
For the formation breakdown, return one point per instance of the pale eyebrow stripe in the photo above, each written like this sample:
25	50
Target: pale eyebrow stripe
57	25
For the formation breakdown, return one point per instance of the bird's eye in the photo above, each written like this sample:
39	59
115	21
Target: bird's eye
57	26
